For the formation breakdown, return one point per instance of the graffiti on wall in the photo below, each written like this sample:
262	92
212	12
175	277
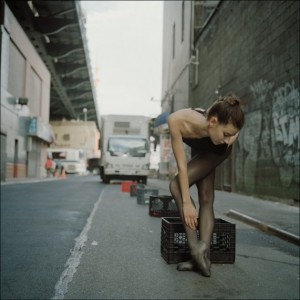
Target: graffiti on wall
286	137
271	134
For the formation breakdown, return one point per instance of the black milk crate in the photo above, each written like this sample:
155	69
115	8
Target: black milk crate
163	206
174	247
133	188
143	194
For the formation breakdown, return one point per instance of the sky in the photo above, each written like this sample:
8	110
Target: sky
125	45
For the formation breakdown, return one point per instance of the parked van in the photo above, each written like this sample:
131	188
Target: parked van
73	160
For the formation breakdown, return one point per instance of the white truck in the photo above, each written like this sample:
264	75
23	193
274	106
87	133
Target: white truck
125	148
73	160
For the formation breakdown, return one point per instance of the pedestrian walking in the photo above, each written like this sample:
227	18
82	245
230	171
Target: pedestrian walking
210	134
59	169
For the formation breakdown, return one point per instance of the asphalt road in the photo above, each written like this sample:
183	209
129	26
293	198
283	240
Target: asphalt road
39	222
80	239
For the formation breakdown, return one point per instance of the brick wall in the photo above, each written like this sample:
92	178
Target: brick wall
252	49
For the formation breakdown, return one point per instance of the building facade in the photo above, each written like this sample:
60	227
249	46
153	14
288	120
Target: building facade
77	134
25	98
176	54
175	74
180	60
250	48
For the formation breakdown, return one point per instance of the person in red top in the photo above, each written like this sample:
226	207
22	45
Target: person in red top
49	166
210	134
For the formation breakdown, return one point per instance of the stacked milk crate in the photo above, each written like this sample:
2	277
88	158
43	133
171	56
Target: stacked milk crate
174	247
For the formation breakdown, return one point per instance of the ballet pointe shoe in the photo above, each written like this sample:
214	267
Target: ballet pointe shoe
186	266
190	265
199	256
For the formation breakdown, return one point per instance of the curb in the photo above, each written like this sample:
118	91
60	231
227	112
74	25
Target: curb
24	181
285	235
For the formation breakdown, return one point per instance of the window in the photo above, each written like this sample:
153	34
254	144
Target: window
182	21
122	124
128	147
172	103
35	92
16	69
173	41
59	155
203	11
66	137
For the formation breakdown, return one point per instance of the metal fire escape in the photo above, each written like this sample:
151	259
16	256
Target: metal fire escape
57	31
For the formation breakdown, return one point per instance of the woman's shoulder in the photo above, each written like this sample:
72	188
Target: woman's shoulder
187	114
179	113
188	121
179	118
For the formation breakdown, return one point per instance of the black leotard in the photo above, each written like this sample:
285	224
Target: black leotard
204	145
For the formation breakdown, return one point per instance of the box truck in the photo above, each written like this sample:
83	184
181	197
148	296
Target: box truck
125	148
73	160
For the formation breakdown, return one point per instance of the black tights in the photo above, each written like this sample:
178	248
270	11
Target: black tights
200	171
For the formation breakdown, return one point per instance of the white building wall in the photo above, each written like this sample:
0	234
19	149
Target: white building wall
175	74
21	158
176	54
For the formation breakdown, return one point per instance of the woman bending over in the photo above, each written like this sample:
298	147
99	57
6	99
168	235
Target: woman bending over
210	134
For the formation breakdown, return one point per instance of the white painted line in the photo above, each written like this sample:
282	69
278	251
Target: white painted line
61	287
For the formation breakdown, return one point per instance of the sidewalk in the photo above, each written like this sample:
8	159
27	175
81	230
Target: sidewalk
20	180
272	217
27	180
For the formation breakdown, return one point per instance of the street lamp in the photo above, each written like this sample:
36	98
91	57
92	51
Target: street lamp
86	144
85	114
154	100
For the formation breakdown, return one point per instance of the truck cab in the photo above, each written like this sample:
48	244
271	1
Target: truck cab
125	148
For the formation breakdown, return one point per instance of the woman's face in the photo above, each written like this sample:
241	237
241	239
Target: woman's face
220	133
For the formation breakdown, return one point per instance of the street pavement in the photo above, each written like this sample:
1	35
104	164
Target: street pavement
131	266
117	253
284	218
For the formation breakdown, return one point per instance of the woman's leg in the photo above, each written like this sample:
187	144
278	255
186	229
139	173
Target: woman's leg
176	193
205	189
206	195
200	167
200	250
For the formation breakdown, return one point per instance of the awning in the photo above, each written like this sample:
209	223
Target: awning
40	129
161	119
161	123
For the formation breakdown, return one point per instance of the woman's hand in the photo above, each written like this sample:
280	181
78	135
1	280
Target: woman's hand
190	215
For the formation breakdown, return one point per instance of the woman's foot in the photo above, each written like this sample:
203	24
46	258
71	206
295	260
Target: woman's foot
199	255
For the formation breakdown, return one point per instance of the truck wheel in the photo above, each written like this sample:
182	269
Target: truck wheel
105	179
101	173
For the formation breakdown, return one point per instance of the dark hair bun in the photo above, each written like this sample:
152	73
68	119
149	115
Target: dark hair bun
232	100
228	110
